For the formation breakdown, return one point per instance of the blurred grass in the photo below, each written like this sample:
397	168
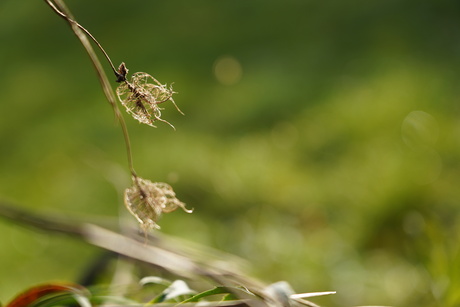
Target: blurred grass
332	163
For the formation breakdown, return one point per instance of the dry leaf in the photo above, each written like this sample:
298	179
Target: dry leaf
142	95
147	200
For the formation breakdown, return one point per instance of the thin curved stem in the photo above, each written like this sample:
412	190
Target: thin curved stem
70	20
59	7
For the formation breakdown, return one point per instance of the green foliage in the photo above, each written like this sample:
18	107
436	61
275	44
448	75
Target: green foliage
176	293
331	158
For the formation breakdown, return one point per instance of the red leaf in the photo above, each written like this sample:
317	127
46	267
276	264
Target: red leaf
29	296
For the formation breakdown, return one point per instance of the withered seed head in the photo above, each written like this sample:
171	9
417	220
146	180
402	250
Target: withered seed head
122	72
147	200
142	95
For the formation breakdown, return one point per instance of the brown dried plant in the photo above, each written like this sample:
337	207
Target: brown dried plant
142	95
145	200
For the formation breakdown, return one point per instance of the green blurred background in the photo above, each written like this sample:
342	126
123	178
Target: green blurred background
321	140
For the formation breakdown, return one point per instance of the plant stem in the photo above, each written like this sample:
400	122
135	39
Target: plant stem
71	21
60	8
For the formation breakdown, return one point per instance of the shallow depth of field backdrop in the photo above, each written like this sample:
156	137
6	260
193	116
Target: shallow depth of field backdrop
321	140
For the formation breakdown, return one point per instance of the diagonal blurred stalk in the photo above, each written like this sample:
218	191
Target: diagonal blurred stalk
218	268
103	238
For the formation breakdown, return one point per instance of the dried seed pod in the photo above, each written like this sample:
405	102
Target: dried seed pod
142	95
147	200
122	72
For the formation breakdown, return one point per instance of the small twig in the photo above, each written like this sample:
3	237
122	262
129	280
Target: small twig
59	7
70	20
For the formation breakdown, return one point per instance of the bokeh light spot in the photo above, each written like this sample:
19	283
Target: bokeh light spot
419	129
227	70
